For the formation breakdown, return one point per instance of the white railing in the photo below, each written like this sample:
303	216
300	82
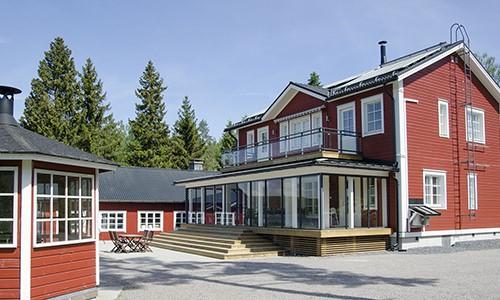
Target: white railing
224	218
179	218
196	217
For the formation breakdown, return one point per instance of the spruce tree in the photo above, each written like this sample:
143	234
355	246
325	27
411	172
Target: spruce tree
227	141
54	103
211	157
314	79
187	143
99	132
148	145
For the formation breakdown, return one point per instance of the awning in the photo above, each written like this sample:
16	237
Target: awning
424	211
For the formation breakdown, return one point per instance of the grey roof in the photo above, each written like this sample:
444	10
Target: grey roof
145	185
16	140
381	74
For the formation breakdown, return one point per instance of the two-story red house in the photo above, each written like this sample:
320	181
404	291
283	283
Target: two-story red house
409	150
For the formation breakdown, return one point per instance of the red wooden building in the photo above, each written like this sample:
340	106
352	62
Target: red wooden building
49	199
133	199
409	149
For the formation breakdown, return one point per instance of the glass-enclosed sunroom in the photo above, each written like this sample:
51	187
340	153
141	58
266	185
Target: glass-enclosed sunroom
320	198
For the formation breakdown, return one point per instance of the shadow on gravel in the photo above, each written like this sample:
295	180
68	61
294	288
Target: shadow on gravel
133	272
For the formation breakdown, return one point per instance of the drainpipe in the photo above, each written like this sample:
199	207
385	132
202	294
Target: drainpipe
395	246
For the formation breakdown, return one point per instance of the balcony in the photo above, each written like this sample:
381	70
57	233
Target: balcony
317	140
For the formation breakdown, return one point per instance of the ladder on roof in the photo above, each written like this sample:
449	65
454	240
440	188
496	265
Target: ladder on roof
462	98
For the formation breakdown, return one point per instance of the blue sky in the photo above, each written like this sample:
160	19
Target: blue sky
231	58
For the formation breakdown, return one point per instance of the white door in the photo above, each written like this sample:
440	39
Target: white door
347	128
263	143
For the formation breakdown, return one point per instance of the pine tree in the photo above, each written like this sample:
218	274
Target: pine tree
149	134
53	105
211	157
227	141
314	79
98	131
187	143
491	66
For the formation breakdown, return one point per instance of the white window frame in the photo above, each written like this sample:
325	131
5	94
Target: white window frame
116	212
316	138
263	145
15	211
304	141
366	191
446	132
442	174
473	110
284	129
472	205
67	218
139	229
364	114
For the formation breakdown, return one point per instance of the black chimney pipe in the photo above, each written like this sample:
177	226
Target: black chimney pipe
7	104
383	55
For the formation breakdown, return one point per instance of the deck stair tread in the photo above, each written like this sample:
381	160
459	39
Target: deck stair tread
217	242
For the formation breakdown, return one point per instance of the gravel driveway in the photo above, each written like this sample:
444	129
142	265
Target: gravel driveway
467	272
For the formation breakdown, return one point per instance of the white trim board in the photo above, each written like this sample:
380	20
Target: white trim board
15	207
26	226
435	233
57	160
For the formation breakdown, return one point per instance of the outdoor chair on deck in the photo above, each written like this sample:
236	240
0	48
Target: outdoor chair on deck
120	245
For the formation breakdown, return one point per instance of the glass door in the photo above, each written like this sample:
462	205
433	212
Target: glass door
263	143
347	127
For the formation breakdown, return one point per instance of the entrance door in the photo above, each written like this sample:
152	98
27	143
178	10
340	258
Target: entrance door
263	143
347	127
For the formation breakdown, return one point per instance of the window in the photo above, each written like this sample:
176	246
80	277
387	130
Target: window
472	190
475	125
150	220
443	119
435	189
370	192
283	136
8	207
63	208
250	145
316	120
113	220
300	136
372	115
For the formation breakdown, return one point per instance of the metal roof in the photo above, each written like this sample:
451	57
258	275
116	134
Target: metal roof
145	185
16	140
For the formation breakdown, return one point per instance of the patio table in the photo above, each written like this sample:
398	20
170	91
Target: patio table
132	241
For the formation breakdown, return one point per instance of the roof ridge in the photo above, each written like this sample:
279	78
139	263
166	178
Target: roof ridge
165	169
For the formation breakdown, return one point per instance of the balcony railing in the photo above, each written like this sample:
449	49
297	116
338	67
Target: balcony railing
319	139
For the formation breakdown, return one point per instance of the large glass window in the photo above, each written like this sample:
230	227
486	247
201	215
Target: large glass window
435	189
273	207
8	207
150	220
373	116
244	195
113	220
475	125
209	205
309	202
63	207
258	195
290	201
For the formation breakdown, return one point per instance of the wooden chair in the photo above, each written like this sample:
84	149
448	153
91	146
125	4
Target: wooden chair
119	244
145	241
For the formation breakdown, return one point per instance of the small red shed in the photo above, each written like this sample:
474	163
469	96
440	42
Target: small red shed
49	203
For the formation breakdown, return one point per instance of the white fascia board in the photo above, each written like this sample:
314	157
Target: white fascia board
285	98
302	171
57	160
433	233
429	62
97	227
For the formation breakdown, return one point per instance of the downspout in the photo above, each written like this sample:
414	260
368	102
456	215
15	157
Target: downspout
396	244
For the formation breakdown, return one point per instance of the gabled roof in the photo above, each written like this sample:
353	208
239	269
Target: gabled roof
145	185
16	140
396	69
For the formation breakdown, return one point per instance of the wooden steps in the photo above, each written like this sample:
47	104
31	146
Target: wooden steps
217	242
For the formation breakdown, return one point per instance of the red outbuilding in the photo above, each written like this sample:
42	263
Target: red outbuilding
49	203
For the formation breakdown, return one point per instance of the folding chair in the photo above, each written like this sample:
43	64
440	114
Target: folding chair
119	245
